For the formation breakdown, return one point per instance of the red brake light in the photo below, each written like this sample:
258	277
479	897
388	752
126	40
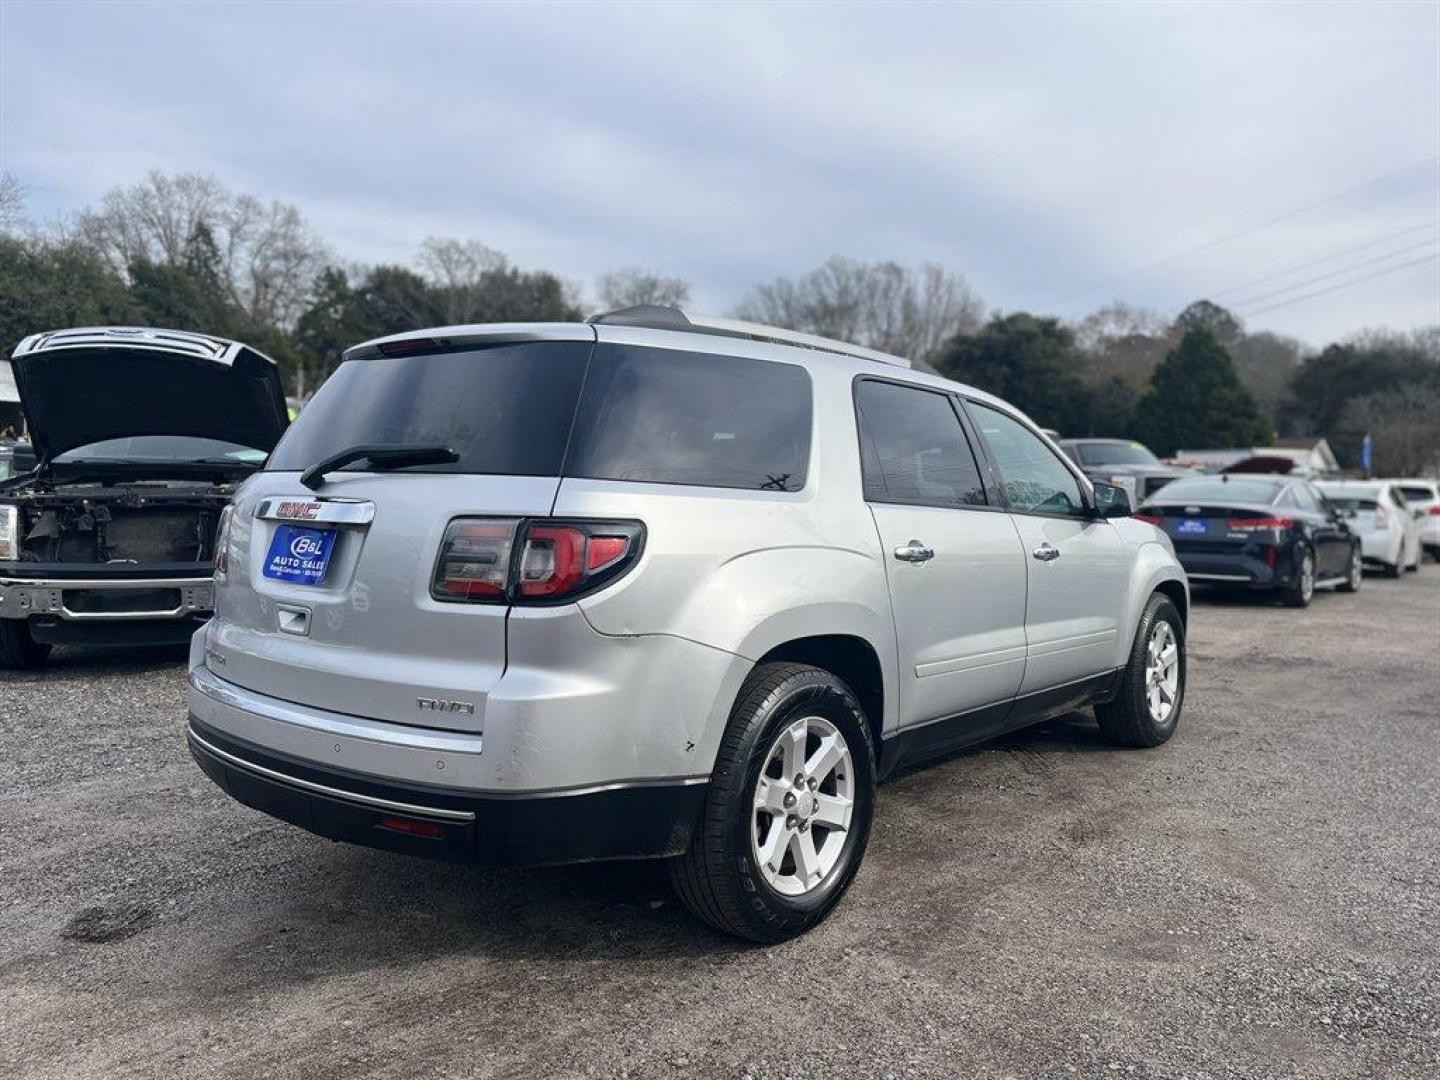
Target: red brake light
557	560
1382	519
1434	510
1149	519
408	347
1258	524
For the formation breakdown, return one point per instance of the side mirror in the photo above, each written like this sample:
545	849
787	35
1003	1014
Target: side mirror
1111	501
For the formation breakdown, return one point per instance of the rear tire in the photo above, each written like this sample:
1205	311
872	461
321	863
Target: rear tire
1392	570
18	650
1302	591
723	878
1133	718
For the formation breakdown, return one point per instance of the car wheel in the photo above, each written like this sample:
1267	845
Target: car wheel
1146	709
1356	574
17	648
1303	590
788	812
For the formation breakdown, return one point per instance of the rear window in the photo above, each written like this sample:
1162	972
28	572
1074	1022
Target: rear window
1343	502
503	408
670	417
1417	494
624	412
1206	490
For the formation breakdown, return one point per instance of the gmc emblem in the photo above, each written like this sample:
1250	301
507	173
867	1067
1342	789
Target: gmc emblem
430	704
298	511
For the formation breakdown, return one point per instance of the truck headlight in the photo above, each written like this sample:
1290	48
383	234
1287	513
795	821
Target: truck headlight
9	532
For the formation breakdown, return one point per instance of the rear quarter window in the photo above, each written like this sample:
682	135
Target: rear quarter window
673	417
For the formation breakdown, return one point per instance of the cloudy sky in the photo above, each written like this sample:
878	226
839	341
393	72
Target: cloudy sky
1057	155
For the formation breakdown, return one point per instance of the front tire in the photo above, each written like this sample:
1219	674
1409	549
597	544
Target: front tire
1146	709
788	812
18	650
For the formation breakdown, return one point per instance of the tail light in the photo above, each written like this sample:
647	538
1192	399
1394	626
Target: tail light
1382	519
222	544
1434	510
532	561
1258	524
1149	519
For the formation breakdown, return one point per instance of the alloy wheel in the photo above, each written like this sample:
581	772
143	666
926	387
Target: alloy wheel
804	799
1307	577
1162	672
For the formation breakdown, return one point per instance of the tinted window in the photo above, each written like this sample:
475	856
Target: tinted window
1418	494
1036	481
1117	453
672	417
1213	489
502	408
1351	502
913	449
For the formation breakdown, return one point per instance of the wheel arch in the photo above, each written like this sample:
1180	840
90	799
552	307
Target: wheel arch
849	658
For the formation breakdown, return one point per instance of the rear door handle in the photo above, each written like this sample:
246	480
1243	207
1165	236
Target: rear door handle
1046	552
915	552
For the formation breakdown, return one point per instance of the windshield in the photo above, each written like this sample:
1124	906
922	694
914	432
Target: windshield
1116	453
1212	489
167	448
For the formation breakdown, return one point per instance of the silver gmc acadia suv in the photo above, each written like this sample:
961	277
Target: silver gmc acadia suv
657	586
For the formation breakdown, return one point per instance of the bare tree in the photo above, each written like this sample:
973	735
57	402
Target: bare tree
632	286
460	271
269	258
12	203
1404	426
1266	363
896	309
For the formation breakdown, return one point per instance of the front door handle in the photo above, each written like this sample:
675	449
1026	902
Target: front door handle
1046	552
915	552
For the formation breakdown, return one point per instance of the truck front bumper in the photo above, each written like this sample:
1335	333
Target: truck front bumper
106	599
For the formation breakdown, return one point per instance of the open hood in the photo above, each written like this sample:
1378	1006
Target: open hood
83	386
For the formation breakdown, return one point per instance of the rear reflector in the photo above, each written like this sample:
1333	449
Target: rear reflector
537	561
410	827
1257	524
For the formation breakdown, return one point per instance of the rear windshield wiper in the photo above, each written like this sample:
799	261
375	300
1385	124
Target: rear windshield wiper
379	457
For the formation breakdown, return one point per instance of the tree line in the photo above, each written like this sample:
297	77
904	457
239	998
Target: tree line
183	251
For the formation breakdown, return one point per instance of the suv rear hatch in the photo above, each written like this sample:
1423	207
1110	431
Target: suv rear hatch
325	596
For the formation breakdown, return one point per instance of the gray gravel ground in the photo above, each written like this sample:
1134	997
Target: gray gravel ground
1260	898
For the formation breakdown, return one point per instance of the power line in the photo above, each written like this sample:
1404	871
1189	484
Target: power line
1342	285
1335	273
1242	233
1216	294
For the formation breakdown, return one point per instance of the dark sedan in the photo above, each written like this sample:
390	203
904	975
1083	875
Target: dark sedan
1268	533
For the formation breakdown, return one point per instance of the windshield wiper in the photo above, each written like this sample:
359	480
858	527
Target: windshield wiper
379	457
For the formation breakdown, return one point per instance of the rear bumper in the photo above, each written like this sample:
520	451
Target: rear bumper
1241	570
633	821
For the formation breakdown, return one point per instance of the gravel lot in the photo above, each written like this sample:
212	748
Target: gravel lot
1259	898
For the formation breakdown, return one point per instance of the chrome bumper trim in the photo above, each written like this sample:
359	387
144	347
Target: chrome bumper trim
1219	577
323	789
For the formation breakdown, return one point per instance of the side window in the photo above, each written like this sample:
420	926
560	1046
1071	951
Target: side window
664	416
1036	481
1305	498
913	449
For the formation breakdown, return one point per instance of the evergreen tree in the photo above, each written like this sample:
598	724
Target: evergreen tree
1029	361
1197	400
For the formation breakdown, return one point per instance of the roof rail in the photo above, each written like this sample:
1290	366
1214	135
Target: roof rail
658	317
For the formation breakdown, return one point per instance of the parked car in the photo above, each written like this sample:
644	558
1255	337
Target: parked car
660	587
1423	497
1378	512
1123	463
1269	533
140	437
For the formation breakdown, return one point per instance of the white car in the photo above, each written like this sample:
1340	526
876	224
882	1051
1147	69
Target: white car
1389	533
1424	499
